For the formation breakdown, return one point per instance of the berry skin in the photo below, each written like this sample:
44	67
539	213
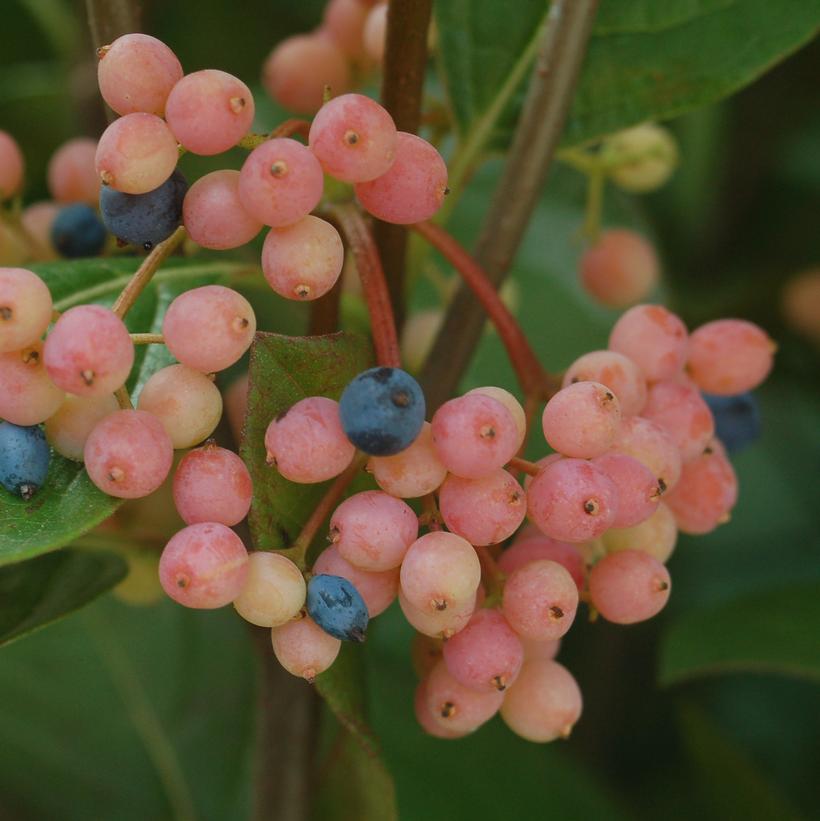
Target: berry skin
77	232
439	624
274	590
24	458
375	32
25	308
343	21
619	373
680	410
303	648
511	404
414	472
531	547
36	220
147	219
128	454
737	419
382	411
204	566
89	351
412	189
306	442
637	487
651	445
354	138
68	429
11	166
28	396
656	536
337	607
458	708
643	157
425	718
629	586
71	173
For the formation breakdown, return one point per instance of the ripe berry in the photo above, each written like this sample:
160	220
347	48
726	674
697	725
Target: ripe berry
77	232
382	411
337	607
737	419
24	458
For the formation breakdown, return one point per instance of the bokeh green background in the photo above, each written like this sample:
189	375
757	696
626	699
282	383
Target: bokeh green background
88	705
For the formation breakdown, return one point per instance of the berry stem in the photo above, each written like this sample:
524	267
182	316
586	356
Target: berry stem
297	552
491	577
285	129
430	516
148	339
524	466
533	379
143	274
123	399
374	285
560	54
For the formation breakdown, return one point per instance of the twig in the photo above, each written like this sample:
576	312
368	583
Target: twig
148	339
111	18
324	312
536	137
143	274
533	379
524	466
491	577
374	286
123	399
405	61
286	129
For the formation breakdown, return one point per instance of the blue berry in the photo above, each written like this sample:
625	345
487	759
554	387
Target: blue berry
337	607
77	232
382	411
24	457
737	419
144	219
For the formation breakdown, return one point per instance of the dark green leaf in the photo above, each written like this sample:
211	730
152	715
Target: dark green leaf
42	590
69	504
283	370
129	713
774	632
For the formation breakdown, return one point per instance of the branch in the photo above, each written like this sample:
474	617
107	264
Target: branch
374	286
536	137
405	61
533	379
111	18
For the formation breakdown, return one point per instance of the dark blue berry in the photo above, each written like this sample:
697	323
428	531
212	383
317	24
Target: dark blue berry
382	411
24	457
337	607
737	419
144	219
77	232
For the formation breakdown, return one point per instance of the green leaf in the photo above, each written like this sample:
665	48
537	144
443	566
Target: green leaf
646	61
283	370
69	505
773	632
42	590
130	714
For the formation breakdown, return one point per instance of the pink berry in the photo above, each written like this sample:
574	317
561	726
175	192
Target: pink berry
572	500
213	214
729	356
511	404
12	166
414	472
582	420
25	308
483	511
89	351
706	492
375	32
620	269
656	535
474	435
629	586
344	20
619	373
545	702
412	189
36	220
71	425
438	623
307	443
274	590
378	589
372	530
280	182
458	708
204	566
136	154
303	648
209	111
354	138
681	411
303	261
540	600
440	570
72	176
651	445
425	718
28	395
289	84
209	328
486	655
540	650
535	547
637	488
136	73
652	337
128	454
212	484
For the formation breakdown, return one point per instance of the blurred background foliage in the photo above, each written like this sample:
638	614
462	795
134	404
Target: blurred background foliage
711	710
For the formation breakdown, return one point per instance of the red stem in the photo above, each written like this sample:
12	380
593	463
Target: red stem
374	285
524	466
290	127
491	577
534	380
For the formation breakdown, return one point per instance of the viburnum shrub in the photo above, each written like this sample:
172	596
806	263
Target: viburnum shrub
491	556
